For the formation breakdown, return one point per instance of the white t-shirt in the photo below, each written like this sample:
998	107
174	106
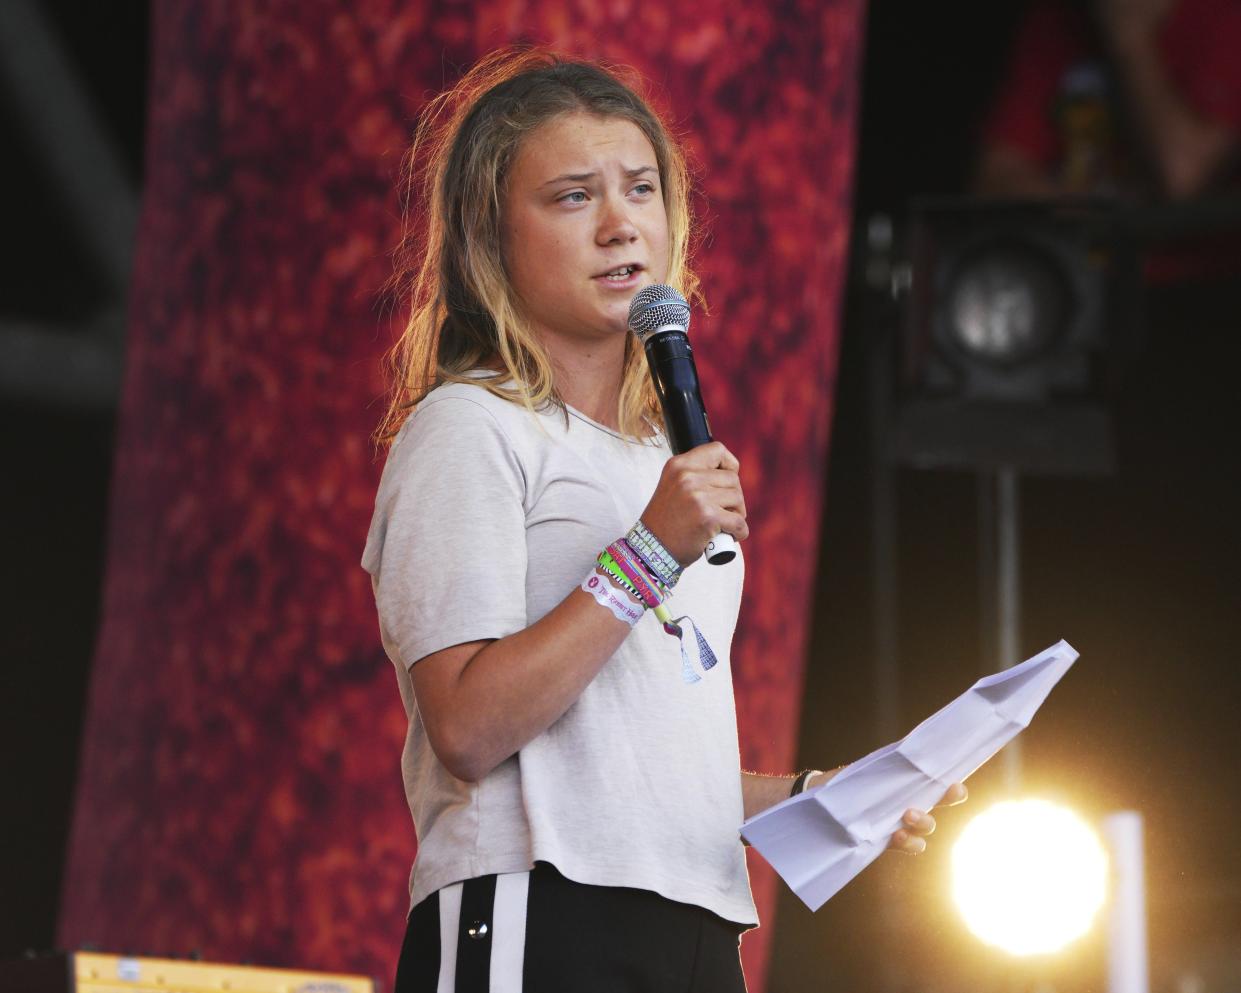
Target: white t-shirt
487	517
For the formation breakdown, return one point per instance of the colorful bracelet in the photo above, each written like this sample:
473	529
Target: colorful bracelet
650	565
639	562
652	551
607	565
647	586
637	576
627	583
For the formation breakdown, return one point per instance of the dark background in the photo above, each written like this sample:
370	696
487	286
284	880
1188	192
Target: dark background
58	463
1135	570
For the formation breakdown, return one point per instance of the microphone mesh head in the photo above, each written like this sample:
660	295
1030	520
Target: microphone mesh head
655	307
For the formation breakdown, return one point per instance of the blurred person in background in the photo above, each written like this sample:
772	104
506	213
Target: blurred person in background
1134	98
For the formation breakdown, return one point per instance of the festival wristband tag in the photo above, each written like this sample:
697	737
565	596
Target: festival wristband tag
607	595
706	657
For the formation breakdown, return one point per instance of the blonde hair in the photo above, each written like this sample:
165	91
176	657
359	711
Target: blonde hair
463	313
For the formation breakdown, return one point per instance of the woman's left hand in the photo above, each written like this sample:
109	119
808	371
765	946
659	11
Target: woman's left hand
917	825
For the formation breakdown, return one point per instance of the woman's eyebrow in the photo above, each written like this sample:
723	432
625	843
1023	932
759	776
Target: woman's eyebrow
583	177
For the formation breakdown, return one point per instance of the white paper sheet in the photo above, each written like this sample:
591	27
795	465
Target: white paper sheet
820	840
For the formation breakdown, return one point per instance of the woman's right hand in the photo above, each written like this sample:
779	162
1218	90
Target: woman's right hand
698	496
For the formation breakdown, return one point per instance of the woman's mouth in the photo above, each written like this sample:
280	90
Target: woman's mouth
624	275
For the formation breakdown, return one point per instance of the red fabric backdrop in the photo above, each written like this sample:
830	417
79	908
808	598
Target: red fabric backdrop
240	791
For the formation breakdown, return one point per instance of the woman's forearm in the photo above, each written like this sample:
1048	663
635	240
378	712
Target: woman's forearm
482	702
758	792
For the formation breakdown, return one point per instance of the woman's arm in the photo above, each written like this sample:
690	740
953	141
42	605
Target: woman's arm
758	792
482	701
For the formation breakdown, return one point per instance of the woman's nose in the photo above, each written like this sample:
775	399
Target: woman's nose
615	224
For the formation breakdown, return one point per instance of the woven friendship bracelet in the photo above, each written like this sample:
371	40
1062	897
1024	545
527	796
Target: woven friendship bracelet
654	554
654	561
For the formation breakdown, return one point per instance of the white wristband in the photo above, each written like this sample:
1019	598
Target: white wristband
607	595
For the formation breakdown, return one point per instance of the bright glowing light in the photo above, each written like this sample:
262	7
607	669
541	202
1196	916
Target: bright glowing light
1028	876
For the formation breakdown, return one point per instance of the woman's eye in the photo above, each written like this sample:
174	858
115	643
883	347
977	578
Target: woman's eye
577	196
644	188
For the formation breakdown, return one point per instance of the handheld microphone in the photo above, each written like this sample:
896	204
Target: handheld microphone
659	316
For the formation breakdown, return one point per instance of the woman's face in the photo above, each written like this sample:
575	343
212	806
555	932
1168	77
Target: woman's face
583	225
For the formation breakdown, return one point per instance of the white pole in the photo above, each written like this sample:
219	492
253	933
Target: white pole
1127	970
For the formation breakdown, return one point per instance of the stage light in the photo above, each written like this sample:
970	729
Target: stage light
1006	306
1029	877
1015	318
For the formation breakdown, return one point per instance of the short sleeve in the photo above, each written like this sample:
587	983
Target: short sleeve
447	546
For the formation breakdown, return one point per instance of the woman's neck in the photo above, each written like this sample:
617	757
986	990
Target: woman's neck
588	378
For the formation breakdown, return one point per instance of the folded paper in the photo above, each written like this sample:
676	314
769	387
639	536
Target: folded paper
819	840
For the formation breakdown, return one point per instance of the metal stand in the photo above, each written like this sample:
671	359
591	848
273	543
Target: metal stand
999	584
883	544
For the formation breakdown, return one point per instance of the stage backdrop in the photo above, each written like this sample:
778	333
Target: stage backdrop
240	792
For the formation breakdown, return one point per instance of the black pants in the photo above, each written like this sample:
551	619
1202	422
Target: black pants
538	932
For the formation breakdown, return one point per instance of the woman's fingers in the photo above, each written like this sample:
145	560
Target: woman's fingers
918	822
918	825
720	496
735	525
712	455
904	841
726	459
698	496
911	837
726	488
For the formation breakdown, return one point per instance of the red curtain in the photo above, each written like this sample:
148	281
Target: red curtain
239	790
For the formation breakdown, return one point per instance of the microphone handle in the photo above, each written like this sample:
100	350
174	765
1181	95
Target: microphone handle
671	361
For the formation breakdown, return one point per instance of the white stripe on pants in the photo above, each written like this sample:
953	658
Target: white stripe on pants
508	942
508	933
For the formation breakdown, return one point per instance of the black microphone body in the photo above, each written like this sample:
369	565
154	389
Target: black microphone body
671	360
659	316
